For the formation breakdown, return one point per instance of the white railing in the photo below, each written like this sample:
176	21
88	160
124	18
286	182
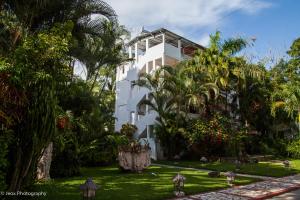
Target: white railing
172	51
151	54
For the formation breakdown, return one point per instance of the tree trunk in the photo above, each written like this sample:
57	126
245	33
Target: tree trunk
15	175
43	166
21	169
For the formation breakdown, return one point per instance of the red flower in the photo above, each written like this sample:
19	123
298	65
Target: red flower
62	122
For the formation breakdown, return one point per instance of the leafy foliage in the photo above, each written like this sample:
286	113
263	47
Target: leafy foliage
36	69
128	130
294	149
215	135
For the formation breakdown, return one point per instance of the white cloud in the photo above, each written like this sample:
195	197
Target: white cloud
181	14
204	40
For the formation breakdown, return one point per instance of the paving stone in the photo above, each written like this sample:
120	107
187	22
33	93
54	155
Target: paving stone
290	179
218	196
260	189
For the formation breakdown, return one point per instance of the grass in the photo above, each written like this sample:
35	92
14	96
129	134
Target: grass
273	169
123	186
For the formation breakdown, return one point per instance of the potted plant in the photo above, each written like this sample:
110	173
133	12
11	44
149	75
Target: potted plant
133	156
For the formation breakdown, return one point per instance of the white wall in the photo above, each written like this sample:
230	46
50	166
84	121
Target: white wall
128	97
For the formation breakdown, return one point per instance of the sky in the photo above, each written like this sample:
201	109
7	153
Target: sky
273	23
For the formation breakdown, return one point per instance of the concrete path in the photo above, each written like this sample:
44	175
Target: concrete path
293	195
255	191
283	188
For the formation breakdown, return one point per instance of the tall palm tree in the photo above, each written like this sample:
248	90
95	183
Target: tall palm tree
36	15
165	103
172	92
286	83
189	89
223	67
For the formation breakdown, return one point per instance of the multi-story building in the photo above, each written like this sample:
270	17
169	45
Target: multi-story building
149	51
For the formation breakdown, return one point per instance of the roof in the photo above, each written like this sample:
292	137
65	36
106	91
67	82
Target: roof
184	41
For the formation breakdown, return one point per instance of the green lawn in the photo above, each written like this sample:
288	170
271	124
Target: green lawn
118	185
274	169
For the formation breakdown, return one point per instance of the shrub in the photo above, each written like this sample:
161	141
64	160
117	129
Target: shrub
293	148
65	163
103	150
217	135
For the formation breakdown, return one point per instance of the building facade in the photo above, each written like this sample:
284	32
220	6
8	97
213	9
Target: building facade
149	51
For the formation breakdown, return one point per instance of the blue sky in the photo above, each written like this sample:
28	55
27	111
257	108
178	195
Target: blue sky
274	24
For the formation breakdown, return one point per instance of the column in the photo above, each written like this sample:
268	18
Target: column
130	51
164	42
136	51
136	115
147	107
147	44
148	132
179	49
147	67
154	65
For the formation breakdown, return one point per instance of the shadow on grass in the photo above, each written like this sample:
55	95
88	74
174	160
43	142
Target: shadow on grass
273	169
154	183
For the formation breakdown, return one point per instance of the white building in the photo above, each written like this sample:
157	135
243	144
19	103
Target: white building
150	50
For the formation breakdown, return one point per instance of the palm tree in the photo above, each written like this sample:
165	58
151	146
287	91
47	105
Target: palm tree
286	92
172	92
87	17
228	71
286	80
162	102
189	90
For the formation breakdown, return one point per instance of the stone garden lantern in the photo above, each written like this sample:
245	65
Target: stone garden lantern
237	164
178	182
286	163
230	177
89	189
203	159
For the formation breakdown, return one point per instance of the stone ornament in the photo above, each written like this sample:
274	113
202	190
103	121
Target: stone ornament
178	182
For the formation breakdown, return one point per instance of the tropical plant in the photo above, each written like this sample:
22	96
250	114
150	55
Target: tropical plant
217	135
37	67
37	15
293	148
41	41
128	130
286	80
223	67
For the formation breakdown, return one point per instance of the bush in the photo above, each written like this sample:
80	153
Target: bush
218	135
293	149
103	150
65	163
